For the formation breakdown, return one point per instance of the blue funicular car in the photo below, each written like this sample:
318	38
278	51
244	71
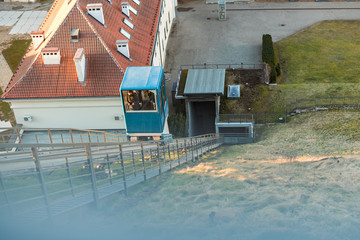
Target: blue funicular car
145	103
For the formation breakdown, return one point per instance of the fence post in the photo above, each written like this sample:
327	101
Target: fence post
41	180
69	176
109	168
123	168
71	136
133	161
197	148
5	194
151	160
104	137
192	150
169	154
92	174
89	136
143	161
186	156
158	157
177	150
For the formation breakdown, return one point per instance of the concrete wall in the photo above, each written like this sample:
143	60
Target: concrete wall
166	20
82	113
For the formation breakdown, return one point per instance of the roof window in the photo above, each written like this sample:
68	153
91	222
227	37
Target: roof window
133	10
137	2
128	23
75	33
125	33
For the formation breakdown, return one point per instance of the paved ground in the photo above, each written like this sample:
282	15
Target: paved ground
24	21
198	37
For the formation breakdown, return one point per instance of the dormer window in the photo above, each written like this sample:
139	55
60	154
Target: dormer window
123	48
137	2
96	11
125	8
125	33
37	38
75	33
51	56
128	23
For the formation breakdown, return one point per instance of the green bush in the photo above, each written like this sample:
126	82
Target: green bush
269	57
177	125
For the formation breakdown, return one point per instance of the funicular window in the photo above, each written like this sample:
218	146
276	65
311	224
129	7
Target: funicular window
139	100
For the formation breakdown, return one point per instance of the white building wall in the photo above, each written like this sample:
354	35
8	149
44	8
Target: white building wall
81	113
167	17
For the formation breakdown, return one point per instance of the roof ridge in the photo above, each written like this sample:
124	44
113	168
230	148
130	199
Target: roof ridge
99	36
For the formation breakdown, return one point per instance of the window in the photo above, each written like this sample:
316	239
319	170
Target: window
133	10
139	100
125	33
128	23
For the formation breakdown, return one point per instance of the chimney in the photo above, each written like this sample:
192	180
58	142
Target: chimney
123	47
37	38
51	56
96	11
80	64
125	8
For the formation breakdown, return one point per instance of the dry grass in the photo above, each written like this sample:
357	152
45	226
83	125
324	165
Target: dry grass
295	183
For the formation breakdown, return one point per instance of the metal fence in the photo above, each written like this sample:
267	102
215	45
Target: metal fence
224	66
48	179
39	136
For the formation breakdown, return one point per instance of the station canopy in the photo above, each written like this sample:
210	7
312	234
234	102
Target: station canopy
205	81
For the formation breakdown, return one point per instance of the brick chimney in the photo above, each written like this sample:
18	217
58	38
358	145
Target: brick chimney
80	64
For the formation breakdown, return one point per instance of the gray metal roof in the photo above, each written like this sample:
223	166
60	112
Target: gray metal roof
205	81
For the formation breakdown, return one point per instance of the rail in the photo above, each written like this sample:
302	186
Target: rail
45	180
57	135
224	66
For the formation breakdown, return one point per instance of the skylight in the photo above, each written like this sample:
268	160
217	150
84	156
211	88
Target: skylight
133	10
137	2
125	33
128	23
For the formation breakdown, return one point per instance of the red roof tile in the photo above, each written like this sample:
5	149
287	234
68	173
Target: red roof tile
105	66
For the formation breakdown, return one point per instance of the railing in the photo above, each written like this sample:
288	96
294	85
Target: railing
223	66
47	179
235	118
58	135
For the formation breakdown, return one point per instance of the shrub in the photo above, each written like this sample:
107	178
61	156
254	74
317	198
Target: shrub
269	57
177	125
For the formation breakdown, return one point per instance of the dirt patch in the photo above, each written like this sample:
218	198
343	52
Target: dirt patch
249	80
6	38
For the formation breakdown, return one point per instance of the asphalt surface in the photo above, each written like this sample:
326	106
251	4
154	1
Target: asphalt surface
198	37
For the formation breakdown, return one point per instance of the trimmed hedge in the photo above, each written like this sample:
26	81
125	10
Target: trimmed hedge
269	57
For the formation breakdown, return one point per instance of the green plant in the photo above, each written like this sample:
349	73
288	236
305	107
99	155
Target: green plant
15	52
269	57
177	125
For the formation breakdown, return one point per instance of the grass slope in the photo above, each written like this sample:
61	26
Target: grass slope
320	61
291	184
15	52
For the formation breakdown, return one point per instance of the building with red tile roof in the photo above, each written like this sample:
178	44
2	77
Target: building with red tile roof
71	74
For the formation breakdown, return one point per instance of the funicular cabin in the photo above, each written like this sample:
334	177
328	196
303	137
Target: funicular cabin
145	103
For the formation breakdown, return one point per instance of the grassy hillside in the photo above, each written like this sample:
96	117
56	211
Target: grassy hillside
294	183
320	61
